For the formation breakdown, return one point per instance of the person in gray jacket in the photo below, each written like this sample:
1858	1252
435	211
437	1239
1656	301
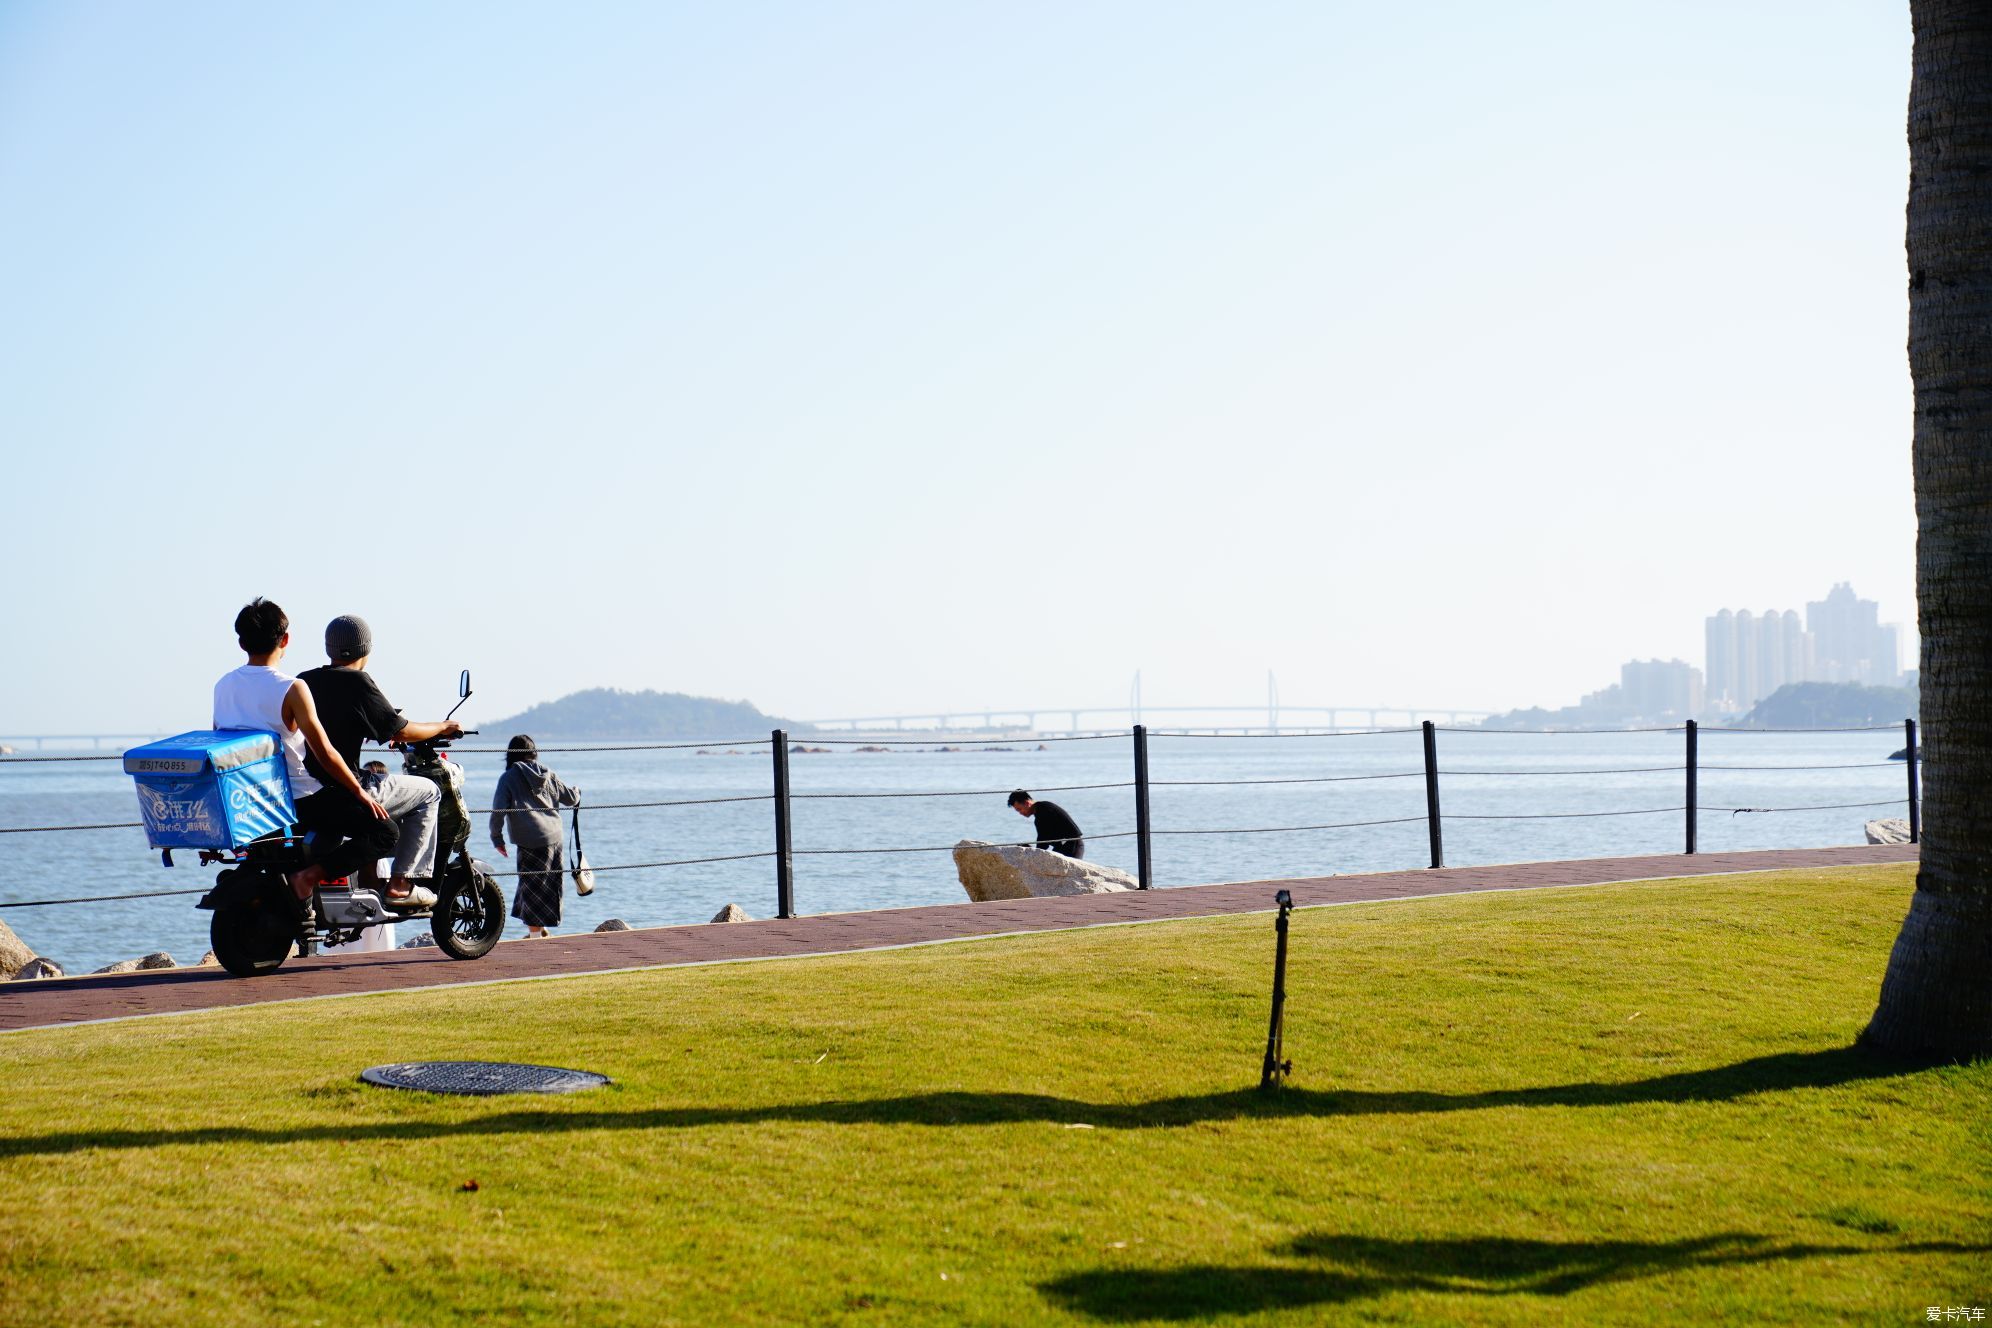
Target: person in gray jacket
531	796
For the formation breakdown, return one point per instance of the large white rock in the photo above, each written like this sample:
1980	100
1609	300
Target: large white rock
14	953
1014	871
1888	830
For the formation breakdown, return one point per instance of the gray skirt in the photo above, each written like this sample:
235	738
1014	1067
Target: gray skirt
537	903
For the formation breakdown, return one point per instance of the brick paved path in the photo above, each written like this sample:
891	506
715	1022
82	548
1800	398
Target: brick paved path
175	991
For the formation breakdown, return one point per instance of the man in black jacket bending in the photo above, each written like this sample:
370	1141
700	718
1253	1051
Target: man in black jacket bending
1056	829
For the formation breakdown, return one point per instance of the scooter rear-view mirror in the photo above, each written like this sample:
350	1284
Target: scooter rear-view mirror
463	694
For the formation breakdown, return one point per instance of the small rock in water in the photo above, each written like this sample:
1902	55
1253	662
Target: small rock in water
732	913
612	924
208	960
38	967
157	959
426	938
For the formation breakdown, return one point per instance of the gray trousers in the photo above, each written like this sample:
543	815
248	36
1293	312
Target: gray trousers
412	803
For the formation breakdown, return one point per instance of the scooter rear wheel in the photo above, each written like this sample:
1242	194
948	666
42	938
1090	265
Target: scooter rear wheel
470	916
251	936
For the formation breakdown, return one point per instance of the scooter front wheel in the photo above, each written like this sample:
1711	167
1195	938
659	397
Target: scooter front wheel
470	916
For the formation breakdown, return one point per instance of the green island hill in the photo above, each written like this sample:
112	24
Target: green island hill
1815	705
1636	1103
604	713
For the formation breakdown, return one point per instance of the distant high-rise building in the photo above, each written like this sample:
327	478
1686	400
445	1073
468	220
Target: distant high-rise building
1749	673
1770	653
1661	689
1720	661
1849	641
1841	640
1797	648
1752	655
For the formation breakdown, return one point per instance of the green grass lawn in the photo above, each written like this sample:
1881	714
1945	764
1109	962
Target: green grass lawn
1622	1104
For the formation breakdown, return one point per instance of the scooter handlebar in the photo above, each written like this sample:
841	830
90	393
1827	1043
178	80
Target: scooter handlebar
430	742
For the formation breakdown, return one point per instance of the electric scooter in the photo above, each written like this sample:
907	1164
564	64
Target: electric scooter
259	921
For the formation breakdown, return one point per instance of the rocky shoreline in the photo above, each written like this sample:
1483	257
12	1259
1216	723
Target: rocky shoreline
19	962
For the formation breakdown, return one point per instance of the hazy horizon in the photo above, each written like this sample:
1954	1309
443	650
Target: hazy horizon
875	357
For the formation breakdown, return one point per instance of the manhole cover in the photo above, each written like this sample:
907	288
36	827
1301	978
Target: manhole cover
481	1078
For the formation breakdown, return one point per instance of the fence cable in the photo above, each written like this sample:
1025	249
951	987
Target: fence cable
1557	816
946	848
1562	733
1852	728
1290	829
640	866
1859	765
802	740
1321	779
1668	769
631	747
47	829
1815	807
626	806
1618	770
964	793
24	760
98	899
1312	733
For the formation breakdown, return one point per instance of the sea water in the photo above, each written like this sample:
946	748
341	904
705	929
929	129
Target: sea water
1230	786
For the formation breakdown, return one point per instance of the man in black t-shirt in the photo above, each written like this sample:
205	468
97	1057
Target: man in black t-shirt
1056	829
354	711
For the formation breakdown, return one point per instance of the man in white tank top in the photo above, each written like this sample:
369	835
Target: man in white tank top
257	696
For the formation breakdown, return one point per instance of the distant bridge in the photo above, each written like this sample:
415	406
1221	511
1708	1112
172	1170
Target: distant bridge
75	742
1065	721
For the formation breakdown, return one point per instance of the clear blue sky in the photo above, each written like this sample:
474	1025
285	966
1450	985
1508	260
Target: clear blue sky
858	357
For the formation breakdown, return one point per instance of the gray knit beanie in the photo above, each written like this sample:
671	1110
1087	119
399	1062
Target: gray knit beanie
347	638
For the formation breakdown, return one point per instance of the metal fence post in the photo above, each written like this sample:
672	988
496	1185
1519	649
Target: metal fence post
784	861
1694	768
1276	1067
1432	793
1915	794
1145	863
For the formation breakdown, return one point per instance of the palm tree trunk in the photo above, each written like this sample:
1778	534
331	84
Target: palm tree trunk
1936	1000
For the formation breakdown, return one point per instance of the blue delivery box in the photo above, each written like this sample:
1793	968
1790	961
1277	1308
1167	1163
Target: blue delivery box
211	789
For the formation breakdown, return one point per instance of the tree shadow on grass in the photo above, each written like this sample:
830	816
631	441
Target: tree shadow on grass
1762	1074
1344	1268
